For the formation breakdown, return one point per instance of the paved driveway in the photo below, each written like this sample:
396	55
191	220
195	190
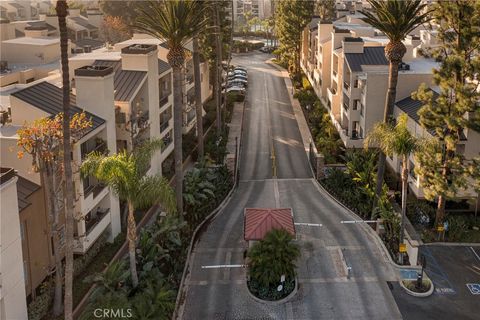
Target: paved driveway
324	290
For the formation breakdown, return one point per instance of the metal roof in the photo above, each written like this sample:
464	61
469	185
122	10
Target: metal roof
411	106
95	44
163	66
125	82
41	24
16	5
25	188
259	221
48	98
83	22
370	56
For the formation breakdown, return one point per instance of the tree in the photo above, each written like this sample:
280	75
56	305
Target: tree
176	22
452	112
43	140
395	18
325	9
124	173
291	18
396	139
272	257
127	10
62	12
114	29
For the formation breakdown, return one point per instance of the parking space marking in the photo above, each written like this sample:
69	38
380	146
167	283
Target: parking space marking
474	288
475	253
436	273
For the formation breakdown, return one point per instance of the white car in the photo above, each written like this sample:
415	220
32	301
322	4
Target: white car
237	72
236	89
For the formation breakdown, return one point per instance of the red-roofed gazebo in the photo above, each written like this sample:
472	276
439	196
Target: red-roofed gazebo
259	221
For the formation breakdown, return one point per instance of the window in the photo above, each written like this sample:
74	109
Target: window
356	103
362	109
355	83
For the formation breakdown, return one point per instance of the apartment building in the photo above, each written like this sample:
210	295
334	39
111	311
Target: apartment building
348	70
12	282
96	208
469	147
189	115
142	95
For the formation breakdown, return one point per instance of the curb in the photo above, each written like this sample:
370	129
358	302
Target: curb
452	244
418	294
179	302
276	302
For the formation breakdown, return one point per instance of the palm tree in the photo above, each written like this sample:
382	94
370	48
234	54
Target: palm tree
176	22
273	257
395	18
61	9
396	139
124	173
198	96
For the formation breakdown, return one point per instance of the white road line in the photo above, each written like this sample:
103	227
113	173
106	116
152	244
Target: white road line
475	253
357	221
219	266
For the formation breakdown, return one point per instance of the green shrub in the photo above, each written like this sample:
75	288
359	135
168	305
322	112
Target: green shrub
457	227
38	308
305	83
81	262
272	257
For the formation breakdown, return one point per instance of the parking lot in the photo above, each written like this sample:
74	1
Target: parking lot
455	272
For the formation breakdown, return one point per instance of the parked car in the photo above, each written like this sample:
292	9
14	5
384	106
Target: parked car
236	89
239	83
240	68
238	76
235	72
267	49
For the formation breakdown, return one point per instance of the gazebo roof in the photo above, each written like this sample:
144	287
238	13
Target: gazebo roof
259	221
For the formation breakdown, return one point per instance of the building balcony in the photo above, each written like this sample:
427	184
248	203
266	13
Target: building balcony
97	145
94	227
164	101
165	124
189	118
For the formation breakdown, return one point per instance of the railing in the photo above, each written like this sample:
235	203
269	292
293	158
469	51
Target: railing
166	142
163	101
345	106
346	85
189	78
95	189
90	224
164	125
355	135
100	147
141	120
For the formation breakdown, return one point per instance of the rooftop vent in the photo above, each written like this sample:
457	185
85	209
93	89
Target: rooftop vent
139	49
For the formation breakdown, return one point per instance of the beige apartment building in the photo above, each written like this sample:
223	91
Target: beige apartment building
189	115
469	147
346	65
12	281
348	70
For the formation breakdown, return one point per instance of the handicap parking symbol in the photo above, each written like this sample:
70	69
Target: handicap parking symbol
474	288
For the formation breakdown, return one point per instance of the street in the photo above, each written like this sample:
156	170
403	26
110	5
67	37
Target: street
274	172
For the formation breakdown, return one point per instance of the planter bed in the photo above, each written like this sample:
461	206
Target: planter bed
271	293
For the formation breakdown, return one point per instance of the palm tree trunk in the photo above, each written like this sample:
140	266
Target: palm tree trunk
218	71
387	117
132	238
47	182
440	212
198	96
177	134
67	160
404	202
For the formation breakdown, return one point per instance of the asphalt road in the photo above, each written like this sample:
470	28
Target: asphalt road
451	268
274	172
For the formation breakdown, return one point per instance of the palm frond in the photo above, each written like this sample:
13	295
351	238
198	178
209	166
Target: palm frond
396	18
153	189
144	153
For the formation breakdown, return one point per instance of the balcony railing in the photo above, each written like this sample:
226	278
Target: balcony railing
345	106
189	78
141	120
164	124
92	222
163	101
167	140
346	85
100	147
